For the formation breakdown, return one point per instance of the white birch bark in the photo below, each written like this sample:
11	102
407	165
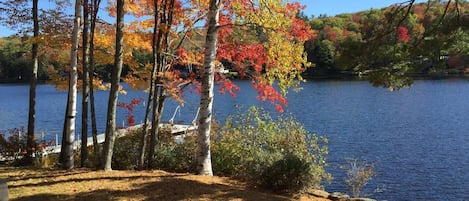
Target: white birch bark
69	138
204	162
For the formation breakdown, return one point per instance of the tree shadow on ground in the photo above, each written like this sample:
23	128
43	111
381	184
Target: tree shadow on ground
174	187
42	173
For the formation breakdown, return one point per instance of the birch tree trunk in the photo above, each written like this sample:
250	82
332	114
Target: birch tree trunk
32	88
69	138
110	136
204	162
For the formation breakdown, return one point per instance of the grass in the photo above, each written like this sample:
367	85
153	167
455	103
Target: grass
41	184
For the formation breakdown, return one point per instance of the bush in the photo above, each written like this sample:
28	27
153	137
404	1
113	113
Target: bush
126	151
359	174
13	147
177	157
278	154
169	155
290	172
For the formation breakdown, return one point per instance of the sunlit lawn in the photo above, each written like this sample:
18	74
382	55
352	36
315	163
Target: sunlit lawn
85	184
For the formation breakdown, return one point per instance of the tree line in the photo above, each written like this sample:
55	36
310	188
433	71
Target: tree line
404	39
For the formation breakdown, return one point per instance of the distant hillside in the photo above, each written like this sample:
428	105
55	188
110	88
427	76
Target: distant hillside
428	37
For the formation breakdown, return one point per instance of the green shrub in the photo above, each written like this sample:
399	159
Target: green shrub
176	157
169	155
276	153
126	151
290	172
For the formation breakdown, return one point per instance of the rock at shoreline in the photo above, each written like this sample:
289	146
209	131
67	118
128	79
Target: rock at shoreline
319	193
362	199
337	196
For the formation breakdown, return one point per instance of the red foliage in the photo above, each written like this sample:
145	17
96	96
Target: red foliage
403	34
330	34
300	30
250	58
246	57
269	93
227	86
130	109
182	53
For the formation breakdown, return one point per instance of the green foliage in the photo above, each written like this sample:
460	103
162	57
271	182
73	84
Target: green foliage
177	157
290	173
257	148
326	54
391	78
169	155
15	64
126	151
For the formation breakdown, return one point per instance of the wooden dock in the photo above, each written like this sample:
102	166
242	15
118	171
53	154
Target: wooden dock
178	130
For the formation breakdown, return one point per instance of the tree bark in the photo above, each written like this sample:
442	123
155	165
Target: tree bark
69	138
158	104
32	88
144	143
85	89
204	163
158	97
113	94
94	130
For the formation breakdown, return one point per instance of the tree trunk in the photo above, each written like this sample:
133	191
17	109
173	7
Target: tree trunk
64	132
158	104
204	163
94	130
113	94
32	88
67	146
85	89
144	143
157	88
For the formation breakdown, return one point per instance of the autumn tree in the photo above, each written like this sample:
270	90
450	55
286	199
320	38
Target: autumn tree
94	8
32	85
67	152
265	42
110	134
18	10
204	162
18	15
171	23
85	85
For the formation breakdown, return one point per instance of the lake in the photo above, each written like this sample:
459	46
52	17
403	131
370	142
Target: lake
418	138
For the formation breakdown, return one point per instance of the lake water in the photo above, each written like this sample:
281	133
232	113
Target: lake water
418	138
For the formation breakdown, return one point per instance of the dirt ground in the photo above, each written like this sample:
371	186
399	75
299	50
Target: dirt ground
28	184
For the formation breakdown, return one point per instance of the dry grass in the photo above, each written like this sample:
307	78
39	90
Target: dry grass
84	184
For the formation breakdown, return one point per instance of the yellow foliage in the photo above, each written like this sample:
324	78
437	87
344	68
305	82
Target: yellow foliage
285	55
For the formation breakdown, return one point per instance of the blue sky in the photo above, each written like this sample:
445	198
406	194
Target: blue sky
334	7
315	7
